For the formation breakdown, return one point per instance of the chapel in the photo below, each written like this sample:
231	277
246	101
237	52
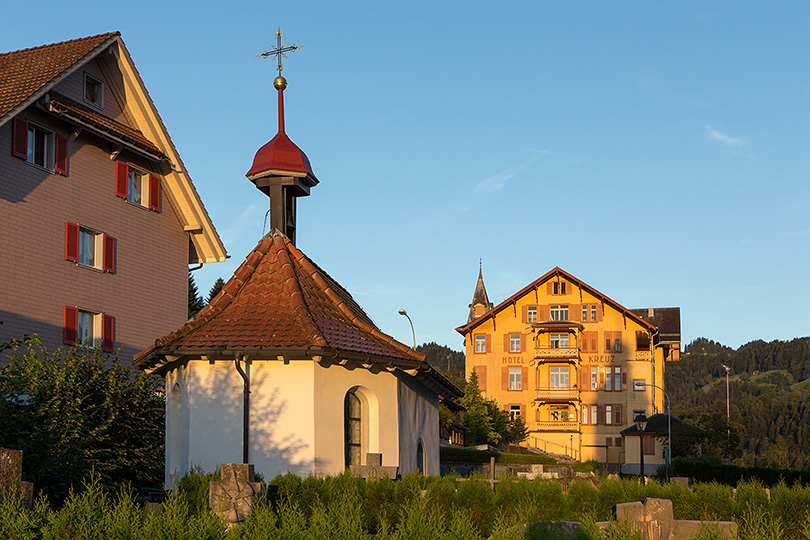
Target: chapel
283	369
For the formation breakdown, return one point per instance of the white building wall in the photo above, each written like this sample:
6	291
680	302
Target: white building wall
380	411
418	421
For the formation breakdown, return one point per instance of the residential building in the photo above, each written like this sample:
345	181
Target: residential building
573	363
99	216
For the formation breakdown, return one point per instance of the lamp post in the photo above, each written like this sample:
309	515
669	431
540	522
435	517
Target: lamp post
728	417
641	424
403	312
669	428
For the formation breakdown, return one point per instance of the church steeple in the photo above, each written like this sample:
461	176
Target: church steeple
280	169
480	302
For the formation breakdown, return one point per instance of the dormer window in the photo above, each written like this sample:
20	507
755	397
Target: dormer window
93	91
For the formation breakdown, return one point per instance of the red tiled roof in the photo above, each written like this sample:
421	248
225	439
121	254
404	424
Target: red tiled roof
60	103
279	299
23	73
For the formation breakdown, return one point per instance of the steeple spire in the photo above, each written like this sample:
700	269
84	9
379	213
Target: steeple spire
480	302
280	169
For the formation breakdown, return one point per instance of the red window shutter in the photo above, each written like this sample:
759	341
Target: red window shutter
489	343
60	164
19	138
617	416
109	254
505	378
524	314
121	179
522	342
107	332
506	347
154	193
70	329
524	378
72	242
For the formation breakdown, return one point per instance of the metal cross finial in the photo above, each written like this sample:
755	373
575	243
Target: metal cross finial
279	49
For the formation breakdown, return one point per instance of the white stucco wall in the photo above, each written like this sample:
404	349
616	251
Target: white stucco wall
331	385
418	421
296	417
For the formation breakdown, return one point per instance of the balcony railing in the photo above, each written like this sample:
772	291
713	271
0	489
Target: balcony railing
557	394
548	353
557	426
643	355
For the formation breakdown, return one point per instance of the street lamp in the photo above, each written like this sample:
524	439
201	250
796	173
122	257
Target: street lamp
728	417
402	312
669	427
641	424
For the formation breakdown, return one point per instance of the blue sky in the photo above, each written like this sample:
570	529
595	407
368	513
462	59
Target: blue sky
657	151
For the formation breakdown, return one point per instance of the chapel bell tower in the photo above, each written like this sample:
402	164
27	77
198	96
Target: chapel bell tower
280	169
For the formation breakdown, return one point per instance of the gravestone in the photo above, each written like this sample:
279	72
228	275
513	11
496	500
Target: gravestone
654	520
232	497
373	468
11	476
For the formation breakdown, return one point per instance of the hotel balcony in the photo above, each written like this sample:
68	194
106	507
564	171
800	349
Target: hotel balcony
568	354
645	356
566	395
556	426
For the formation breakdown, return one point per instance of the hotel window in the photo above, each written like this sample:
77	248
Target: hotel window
480	343
39	146
89	248
593	312
93	91
608	380
559	312
617	379
594	415
559	413
531	314
137	186
88	328
558	378
558	341
515	378
608	415
514	342
613	342
584	312
559	287
514	412
594	379
584	414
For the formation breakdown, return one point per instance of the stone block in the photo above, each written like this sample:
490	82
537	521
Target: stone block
232	498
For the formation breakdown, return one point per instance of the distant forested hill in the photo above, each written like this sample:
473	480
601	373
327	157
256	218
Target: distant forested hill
449	362
769	387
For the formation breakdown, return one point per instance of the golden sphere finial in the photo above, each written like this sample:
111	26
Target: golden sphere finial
280	83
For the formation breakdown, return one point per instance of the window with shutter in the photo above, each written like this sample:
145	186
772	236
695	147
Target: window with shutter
72	242
154	193
60	162
121	179
648	445
70	325
109	254
19	138
107	332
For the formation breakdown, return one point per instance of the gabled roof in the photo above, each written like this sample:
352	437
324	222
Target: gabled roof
279	300
557	272
28	75
667	320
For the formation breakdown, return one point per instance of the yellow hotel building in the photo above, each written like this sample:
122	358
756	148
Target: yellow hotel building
575	365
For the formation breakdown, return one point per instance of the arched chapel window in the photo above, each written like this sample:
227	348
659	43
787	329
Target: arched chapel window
353	422
420	458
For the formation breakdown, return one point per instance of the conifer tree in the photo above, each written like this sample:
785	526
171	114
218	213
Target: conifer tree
218	284
195	302
476	418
